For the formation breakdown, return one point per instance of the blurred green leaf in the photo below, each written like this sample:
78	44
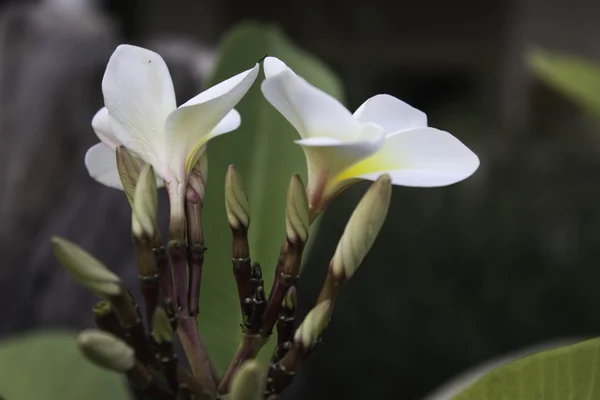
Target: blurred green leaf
575	77
266	156
48	366
569	372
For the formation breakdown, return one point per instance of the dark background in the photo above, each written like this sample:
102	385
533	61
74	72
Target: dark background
506	259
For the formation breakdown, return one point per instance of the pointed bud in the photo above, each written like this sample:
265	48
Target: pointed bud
248	382
314	324
162	330
197	179
362	229
236	201
86	269
106	350
145	205
129	171
290	300
296	218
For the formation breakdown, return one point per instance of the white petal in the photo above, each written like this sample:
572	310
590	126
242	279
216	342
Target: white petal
231	122
310	110
195	122
101	163
101	126
421	157
327	157
391	113
273	66
139	96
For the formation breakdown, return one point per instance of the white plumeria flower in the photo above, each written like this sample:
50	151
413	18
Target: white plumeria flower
385	135
142	115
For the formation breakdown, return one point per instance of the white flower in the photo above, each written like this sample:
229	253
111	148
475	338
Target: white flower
385	135
142	115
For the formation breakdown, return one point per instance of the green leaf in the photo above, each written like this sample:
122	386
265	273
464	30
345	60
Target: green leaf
266	156
48	366
577	78
568	372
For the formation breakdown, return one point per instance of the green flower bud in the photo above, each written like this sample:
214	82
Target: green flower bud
129	171
197	179
86	269
145	205
236	201
248	382
296	218
106	350
162	331
290	299
362	229
314	324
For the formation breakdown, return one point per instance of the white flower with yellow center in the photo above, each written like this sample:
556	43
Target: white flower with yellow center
384	136
140	113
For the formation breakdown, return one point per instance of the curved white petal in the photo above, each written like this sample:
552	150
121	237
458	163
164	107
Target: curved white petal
196	121
231	122
310	110
391	113
139	95
101	163
327	157
421	157
101	126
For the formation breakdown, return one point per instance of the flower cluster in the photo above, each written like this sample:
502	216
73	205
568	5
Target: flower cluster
148	142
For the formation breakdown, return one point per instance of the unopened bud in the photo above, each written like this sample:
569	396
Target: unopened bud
129	171
290	299
106	350
86	269
248	382
314	324
236	201
162	330
296	217
362	228
197	179
145	205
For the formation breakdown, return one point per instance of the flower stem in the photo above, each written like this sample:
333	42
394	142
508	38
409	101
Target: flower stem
286	275
178	255
196	353
148	276
248	349
196	251
164	275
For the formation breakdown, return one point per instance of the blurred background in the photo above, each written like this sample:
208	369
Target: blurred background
504	260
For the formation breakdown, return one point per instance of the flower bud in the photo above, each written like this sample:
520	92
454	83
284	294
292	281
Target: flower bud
290	299
362	228
106	350
248	382
236	201
296	217
197	179
145	205
86	269
129	171
162	330
314	324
